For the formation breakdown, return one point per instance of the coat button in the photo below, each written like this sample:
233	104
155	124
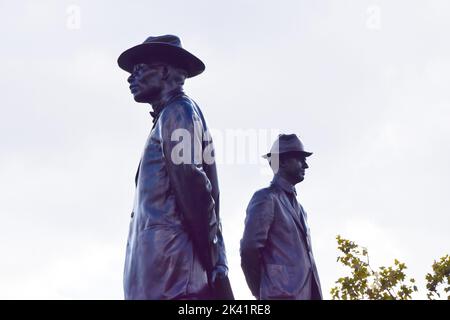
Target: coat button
215	239
132	214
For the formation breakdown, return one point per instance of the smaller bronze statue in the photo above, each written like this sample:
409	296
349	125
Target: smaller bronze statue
276	253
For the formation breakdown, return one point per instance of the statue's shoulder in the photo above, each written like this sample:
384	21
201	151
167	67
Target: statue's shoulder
264	194
179	107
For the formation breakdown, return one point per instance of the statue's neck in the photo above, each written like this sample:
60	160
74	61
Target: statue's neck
165	96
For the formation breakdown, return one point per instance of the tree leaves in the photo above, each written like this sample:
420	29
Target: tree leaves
388	283
440	275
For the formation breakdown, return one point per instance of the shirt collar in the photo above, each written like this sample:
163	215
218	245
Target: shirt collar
284	184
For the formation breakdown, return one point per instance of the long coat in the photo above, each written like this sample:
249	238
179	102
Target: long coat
276	253
175	237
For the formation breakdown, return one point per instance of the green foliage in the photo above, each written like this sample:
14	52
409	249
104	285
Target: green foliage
388	283
365	283
440	275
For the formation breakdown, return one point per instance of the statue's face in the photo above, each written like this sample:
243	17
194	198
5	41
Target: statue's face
146	82
294	166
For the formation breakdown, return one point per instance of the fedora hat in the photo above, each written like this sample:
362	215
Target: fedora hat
165	48
287	143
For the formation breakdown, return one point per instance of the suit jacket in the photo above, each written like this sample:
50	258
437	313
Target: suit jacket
175	237
276	252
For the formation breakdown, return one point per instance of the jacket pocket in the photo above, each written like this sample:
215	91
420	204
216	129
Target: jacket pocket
275	282
282	282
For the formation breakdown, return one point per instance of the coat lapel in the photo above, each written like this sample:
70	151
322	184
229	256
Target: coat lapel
137	173
294	213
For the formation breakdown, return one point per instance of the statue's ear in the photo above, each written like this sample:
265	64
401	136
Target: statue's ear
165	72
283	161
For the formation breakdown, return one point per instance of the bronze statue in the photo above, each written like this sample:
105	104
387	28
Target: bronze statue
175	248
276	252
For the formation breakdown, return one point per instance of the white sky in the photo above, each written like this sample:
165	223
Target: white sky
364	83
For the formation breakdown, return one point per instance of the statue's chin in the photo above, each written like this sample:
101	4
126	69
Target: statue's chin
146	96
140	98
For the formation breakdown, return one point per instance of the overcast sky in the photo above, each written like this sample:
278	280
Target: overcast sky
365	84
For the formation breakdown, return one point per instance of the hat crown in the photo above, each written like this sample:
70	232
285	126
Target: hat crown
287	143
167	39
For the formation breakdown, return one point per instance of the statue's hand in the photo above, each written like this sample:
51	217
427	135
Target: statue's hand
219	272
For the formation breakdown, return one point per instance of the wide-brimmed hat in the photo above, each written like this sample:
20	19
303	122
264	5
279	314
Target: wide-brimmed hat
165	48
287	143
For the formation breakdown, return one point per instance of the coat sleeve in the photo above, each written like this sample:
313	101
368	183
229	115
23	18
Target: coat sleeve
182	148
260	215
222	257
211	172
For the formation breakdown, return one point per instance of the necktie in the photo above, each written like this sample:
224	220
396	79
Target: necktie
297	208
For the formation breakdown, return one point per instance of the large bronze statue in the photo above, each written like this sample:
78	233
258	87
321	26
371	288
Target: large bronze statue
175	247
276	252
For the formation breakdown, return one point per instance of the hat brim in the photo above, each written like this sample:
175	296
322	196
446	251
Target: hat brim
306	154
161	52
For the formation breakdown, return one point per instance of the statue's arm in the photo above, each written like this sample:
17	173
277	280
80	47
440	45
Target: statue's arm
181	138
260	215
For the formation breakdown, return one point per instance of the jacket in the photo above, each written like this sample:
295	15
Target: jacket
276	252
175	239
